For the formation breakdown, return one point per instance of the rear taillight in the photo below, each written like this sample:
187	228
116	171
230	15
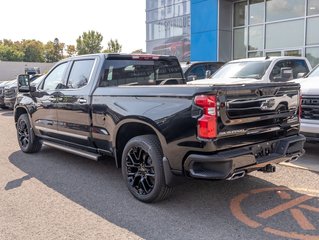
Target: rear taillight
207	124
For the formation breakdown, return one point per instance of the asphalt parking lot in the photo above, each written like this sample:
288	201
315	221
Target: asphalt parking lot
56	195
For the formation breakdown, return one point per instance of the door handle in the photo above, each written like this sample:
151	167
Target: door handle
82	100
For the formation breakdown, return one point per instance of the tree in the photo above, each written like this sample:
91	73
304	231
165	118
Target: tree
9	53
71	50
113	46
89	42
138	51
53	52
33	51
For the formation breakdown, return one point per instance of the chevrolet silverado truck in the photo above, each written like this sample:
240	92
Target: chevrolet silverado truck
138	110
259	70
310	105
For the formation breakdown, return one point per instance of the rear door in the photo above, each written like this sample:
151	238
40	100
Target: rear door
73	103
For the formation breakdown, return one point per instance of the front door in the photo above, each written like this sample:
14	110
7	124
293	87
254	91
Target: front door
45	115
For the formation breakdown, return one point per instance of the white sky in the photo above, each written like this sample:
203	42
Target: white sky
67	19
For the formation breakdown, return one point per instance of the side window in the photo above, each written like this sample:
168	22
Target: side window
299	66
276	71
198	71
212	68
55	78
80	73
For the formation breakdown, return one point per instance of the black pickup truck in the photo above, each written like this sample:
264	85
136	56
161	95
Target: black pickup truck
138	110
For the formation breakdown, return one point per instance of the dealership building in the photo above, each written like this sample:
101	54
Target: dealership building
222	30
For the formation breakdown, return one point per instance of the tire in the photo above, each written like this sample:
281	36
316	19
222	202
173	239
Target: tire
28	141
142	169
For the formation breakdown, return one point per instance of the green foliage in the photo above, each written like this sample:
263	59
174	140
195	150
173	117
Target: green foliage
89	42
53	52
138	51
9	53
33	51
71	50
113	46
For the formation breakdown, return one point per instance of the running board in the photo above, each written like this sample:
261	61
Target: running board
92	156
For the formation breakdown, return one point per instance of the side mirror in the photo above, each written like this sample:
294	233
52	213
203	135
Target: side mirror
208	73
301	75
23	83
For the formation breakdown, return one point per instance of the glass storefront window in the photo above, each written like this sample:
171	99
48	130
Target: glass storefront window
240	13
285	34
284	9
255	54
168	28
313	7
312	31
312	54
273	54
293	53
256	11
239	43
256	37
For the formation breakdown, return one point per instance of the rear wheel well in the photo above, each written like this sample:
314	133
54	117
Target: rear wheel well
18	112
127	132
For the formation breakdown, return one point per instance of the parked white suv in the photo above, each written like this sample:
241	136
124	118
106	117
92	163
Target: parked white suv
310	105
262	70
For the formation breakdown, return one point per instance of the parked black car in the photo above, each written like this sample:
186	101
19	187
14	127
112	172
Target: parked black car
124	106
199	70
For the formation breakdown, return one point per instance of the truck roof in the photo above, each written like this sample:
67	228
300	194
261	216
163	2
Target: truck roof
266	59
123	55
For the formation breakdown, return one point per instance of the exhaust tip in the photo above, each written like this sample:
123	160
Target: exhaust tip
237	175
294	158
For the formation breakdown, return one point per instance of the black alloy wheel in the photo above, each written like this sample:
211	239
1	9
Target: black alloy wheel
142	169
28	141
23	134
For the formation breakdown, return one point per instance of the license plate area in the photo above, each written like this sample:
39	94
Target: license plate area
264	150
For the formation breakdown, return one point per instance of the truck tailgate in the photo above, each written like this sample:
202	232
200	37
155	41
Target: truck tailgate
256	112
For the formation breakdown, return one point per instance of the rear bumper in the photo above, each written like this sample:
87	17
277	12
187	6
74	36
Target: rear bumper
310	128
223	164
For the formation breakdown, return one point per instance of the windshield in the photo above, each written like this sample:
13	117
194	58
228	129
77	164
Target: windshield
243	70
315	72
37	81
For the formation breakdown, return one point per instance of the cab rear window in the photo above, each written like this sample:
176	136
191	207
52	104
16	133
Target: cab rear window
139	72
